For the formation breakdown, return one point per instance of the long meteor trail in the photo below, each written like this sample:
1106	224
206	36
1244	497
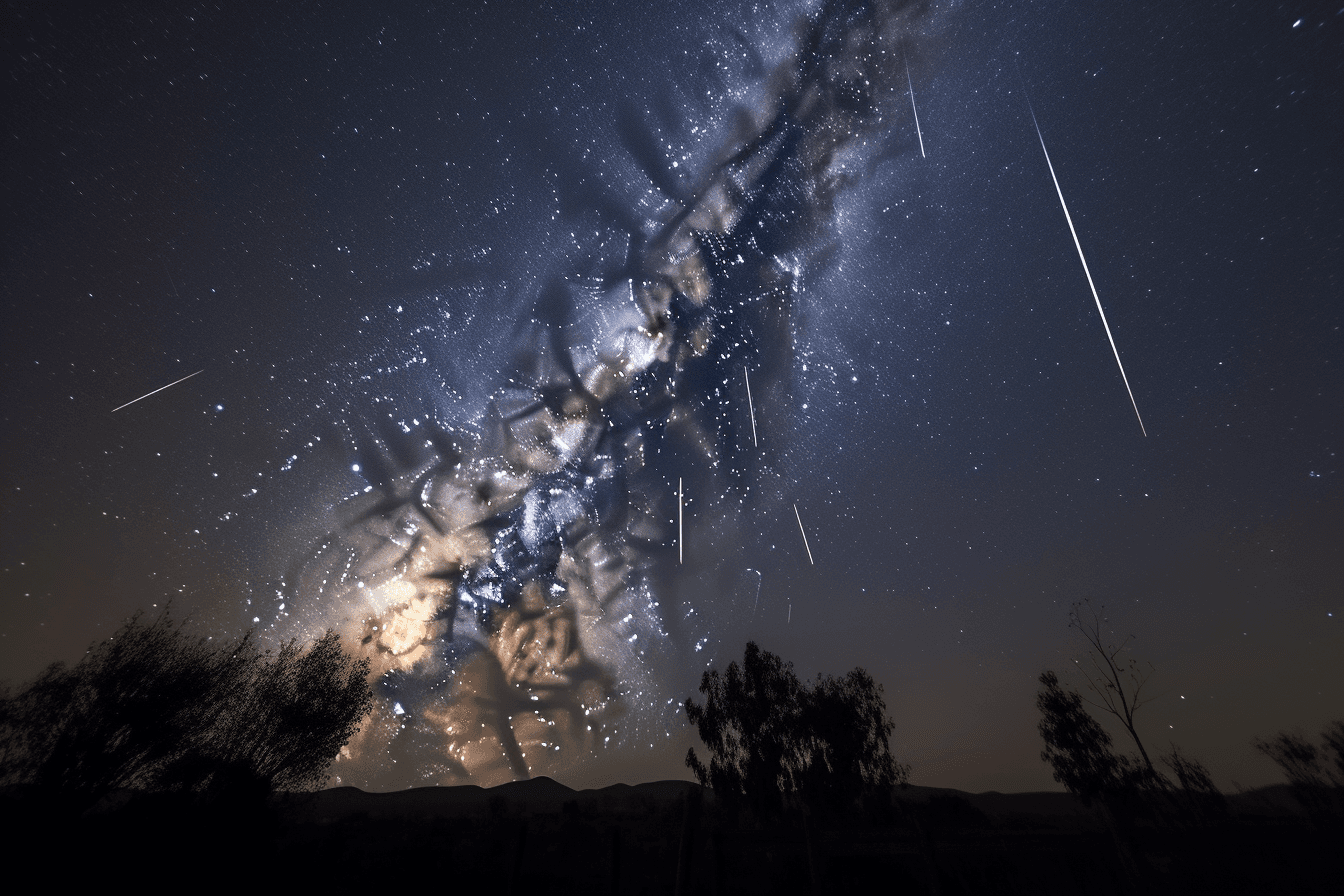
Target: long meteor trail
160	389
804	531
1079	246
911	85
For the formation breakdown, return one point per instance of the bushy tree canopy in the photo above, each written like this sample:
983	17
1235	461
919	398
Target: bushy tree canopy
153	708
1077	748
770	736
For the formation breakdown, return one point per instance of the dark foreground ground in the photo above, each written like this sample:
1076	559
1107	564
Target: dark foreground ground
539	837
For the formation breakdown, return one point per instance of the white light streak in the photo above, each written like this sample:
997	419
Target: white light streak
680	542
801	529
911	85
1079	246
751	407
160	389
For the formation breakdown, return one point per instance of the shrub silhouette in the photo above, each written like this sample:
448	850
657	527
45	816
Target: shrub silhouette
1315	775
153	708
770	737
1196	796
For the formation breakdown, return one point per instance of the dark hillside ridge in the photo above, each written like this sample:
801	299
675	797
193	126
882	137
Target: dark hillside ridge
539	836
545	794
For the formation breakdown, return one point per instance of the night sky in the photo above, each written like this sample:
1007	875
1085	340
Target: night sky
468	292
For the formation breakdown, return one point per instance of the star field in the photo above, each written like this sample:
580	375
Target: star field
473	290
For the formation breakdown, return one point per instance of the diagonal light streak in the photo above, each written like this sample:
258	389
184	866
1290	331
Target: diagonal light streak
751	407
160	389
1079	246
804	531
911	85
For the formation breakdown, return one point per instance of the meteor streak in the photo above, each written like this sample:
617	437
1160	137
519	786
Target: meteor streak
1079	246
751	407
911	85
680	542
801	529
160	389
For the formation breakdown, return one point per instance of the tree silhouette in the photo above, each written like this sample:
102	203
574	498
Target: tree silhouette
1077	748
1117	682
770	737
849	749
153	708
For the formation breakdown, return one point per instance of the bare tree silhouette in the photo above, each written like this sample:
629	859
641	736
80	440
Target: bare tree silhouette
1117	681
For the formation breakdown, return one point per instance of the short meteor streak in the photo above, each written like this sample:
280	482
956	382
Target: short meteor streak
911	85
801	529
160	389
751	407
1079	246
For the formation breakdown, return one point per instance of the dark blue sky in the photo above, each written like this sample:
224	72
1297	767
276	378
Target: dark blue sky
347	219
